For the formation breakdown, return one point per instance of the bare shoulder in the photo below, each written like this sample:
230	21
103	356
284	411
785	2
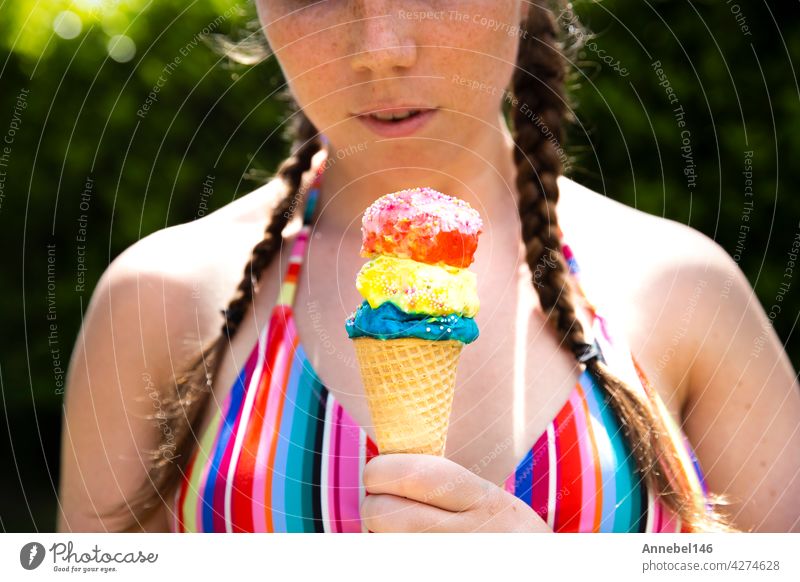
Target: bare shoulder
153	307
178	278
699	330
652	275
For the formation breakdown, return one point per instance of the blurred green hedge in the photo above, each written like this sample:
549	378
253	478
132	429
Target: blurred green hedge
86	175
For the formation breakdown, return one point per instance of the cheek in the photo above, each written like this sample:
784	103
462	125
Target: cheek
479	67
306	52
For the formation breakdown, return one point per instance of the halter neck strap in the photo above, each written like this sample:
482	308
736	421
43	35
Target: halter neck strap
297	255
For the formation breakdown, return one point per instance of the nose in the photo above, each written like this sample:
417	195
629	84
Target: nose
382	40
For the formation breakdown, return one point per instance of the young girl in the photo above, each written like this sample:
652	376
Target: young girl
614	386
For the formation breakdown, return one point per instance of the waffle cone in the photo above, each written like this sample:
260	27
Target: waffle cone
409	384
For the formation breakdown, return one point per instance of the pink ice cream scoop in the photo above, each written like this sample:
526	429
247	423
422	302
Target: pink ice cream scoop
424	225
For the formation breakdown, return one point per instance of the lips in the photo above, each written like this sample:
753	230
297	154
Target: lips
396	121
391	108
394	114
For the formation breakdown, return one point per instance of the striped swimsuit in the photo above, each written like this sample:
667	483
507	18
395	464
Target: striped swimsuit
282	455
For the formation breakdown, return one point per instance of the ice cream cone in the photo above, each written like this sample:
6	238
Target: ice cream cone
417	314
409	384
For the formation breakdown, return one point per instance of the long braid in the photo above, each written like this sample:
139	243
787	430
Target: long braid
539	82
291	171
184	410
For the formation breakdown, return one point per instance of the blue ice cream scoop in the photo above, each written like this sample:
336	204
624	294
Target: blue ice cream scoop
388	321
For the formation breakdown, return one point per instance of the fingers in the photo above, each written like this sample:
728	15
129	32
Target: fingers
427	479
389	513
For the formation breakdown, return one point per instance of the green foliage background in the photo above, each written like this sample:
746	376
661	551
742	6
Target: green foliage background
739	92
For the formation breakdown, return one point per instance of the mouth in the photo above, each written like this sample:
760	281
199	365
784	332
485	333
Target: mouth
396	121
393	115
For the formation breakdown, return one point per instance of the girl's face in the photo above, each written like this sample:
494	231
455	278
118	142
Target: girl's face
453	59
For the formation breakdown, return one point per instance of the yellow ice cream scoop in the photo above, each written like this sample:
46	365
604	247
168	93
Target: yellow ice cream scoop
416	287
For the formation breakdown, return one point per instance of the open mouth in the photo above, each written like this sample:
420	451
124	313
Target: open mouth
397	122
395	116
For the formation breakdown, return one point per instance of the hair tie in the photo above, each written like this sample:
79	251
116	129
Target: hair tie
585	352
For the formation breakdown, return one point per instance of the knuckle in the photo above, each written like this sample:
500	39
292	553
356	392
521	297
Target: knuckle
494	501
478	497
414	475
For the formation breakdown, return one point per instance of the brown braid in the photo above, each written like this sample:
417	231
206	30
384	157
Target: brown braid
291	170
184	410
539	82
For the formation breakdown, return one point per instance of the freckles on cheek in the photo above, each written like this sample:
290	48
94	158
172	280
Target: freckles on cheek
483	38
494	53
317	82
303	46
480	69
283	33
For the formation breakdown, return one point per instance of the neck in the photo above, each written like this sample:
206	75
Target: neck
481	172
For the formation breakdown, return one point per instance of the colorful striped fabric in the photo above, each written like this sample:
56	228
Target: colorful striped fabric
282	455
